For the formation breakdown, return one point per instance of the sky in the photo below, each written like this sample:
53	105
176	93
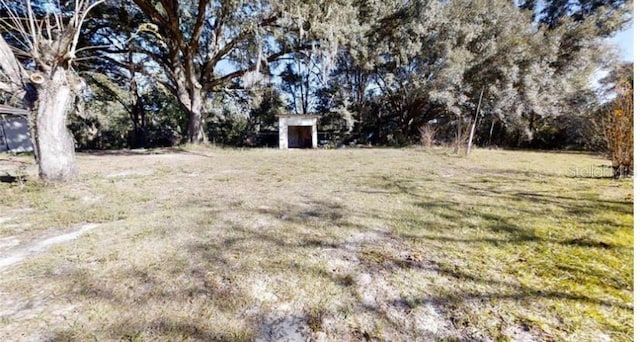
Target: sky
624	41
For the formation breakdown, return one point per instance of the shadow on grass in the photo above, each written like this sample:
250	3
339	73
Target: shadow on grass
143	152
512	228
506	213
517	291
150	302
215	279
503	186
11	179
286	248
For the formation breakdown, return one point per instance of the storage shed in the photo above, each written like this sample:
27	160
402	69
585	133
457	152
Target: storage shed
14	130
298	131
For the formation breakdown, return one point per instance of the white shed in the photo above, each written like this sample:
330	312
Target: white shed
298	131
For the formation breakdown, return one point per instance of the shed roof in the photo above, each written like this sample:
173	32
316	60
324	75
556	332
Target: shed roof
302	116
9	110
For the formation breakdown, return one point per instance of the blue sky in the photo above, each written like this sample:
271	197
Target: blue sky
624	41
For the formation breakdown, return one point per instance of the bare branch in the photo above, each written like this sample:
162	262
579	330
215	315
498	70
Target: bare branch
32	27
78	27
7	87
10	64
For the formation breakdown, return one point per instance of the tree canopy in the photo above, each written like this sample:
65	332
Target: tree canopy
377	71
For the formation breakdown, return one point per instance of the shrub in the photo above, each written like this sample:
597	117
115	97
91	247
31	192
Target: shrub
619	130
427	135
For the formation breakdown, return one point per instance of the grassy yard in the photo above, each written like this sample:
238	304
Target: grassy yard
333	245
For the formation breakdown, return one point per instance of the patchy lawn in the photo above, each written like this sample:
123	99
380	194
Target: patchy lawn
336	245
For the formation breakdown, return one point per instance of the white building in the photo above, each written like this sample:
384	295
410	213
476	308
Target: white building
298	131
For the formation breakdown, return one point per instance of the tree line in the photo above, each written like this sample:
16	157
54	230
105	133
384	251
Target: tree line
143	73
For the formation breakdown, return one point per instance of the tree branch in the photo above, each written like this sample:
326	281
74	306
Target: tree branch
207	71
199	26
10	65
147	7
238	73
80	17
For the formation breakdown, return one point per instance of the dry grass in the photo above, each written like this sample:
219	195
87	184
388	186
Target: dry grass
381	244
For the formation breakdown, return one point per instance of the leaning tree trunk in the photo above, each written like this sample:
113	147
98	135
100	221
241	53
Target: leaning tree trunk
54	144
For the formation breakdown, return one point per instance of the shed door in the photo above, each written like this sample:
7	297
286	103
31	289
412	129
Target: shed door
300	137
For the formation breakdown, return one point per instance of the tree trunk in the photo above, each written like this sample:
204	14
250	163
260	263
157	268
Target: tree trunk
475	122
196	119
139	138
54	144
458	142
493	123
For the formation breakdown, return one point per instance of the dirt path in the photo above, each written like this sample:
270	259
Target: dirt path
18	253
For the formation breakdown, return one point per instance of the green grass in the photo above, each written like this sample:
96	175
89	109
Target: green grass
359	244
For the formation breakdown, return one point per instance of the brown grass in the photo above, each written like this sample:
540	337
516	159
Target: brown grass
380	244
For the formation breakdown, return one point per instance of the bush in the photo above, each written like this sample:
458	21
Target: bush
427	135
619	130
